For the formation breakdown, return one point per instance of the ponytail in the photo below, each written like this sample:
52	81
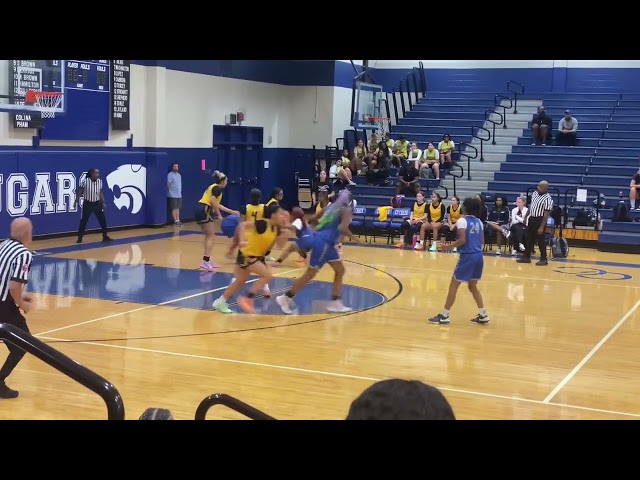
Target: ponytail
219	176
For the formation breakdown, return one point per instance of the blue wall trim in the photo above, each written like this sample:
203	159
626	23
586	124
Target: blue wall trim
27	172
283	72
340	74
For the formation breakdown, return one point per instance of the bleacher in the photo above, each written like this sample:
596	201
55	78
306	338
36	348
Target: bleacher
605	159
434	115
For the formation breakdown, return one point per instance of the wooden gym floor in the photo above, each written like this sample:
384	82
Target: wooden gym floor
563	342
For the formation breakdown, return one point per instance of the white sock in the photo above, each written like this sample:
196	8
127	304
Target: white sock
421	242
633	203
482	312
445	313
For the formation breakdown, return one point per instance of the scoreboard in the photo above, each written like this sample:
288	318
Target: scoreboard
91	75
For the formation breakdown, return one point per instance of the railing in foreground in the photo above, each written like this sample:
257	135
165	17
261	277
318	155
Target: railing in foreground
232	403
64	364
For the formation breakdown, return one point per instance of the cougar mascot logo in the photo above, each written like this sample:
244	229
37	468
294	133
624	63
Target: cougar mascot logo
129	186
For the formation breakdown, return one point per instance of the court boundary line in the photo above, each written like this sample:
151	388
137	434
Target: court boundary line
507	277
344	375
147	307
591	353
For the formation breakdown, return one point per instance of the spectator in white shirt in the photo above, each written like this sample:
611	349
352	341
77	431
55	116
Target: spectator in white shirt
517	227
567	130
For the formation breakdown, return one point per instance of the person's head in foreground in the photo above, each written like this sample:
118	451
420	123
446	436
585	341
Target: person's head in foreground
397	399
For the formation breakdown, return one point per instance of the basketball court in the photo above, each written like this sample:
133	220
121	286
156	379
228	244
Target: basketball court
562	343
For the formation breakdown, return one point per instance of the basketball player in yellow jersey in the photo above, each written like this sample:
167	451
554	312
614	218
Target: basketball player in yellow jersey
208	206
276	197
323	201
256	239
252	211
454	212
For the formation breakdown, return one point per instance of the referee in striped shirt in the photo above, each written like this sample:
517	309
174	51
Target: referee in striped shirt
91	190
15	265
537	215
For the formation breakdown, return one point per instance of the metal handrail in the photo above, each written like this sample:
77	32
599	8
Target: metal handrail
469	157
474	134
488	119
232	403
497	100
72	369
515	93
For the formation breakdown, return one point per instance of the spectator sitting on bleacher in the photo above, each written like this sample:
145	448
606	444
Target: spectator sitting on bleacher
414	154
498	221
518	229
400	151
388	141
567	130
430	161
322	186
451	217
358	158
341	175
412	225
541	127
378	171
408	180
434	223
371	152
446	147
634	193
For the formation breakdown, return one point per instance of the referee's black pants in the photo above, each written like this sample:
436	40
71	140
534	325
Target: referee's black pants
533	237
10	313
87	209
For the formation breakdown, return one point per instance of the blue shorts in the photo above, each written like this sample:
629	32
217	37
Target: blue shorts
305	243
322	252
469	267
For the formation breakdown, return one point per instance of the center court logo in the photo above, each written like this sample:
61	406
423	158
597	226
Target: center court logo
129	186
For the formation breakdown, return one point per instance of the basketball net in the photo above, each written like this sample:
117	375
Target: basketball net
47	101
383	125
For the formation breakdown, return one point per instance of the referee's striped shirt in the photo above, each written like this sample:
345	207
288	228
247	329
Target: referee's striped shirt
15	264
540	204
91	190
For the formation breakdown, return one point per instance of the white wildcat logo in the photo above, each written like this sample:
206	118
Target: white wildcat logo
131	180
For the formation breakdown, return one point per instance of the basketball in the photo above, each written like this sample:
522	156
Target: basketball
229	225
297	212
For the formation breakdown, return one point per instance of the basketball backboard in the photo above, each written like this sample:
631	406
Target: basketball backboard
19	76
369	103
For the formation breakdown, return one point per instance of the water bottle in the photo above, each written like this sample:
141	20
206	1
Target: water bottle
414	241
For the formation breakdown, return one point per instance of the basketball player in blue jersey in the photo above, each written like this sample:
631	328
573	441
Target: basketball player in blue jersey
333	224
470	264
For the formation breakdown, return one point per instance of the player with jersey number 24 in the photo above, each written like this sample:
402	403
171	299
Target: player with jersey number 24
470	264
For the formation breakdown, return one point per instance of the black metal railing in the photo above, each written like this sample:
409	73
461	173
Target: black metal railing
232	403
497	101
573	192
64	364
512	87
414	85
462	153
456	174
475	130
487	117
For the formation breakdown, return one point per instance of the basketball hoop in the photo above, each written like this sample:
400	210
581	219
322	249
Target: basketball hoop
383	125
47	101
